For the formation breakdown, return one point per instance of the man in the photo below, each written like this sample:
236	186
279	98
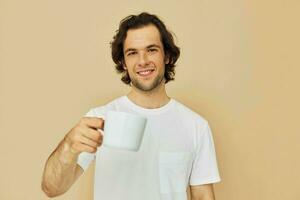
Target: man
177	151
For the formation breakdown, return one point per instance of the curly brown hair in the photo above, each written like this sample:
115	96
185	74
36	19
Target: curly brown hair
172	52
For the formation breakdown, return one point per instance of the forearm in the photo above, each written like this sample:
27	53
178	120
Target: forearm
202	192
60	171
203	198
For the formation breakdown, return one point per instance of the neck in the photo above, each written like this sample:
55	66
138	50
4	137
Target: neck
149	99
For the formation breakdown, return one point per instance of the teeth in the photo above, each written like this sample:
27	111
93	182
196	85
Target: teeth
145	72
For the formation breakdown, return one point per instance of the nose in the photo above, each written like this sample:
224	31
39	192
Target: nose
143	59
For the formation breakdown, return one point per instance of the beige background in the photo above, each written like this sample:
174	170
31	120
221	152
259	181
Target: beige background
239	69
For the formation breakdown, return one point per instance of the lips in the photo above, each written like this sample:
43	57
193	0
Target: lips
145	72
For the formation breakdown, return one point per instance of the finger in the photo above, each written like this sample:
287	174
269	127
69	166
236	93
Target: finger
88	141
85	148
92	134
93	122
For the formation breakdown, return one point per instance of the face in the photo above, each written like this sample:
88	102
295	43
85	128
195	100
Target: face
144	58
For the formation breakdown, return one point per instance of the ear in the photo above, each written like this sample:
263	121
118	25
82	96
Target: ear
124	65
167	59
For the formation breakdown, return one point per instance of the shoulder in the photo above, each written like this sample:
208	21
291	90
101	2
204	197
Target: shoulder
190	115
101	110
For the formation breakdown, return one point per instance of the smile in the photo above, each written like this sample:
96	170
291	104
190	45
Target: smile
146	73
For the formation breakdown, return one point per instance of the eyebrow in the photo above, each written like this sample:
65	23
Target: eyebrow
147	47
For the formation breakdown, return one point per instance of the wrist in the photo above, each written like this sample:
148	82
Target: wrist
66	155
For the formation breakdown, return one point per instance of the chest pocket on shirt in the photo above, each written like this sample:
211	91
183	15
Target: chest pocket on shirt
174	170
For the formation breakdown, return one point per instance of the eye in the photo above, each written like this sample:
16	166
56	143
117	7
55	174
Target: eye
152	50
131	53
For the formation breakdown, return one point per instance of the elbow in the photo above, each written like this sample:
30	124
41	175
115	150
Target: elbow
49	192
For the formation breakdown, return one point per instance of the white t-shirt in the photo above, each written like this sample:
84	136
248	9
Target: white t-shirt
177	150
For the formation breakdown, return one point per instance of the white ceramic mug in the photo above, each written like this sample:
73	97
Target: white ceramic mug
123	130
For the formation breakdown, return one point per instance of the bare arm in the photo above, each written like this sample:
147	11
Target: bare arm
202	192
61	169
60	172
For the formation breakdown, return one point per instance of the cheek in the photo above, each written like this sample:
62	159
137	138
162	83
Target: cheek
129	66
129	62
159	59
160	63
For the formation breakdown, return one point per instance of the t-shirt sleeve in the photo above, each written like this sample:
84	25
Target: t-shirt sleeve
205	169
85	158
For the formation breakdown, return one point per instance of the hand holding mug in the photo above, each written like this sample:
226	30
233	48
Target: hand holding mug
85	136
